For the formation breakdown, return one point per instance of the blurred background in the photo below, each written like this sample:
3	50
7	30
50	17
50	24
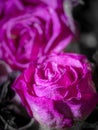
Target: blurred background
86	18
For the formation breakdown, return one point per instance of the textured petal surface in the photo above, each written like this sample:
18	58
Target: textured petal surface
31	29
58	89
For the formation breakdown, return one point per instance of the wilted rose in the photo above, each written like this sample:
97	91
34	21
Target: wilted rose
58	90
53	4
28	32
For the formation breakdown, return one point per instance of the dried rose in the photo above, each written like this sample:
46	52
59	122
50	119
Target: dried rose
58	90
29	32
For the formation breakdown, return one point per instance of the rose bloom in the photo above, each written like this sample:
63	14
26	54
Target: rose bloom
29	32
54	3
10	8
58	90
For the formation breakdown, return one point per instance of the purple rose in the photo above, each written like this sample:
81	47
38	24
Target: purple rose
28	32
9	9
54	3
58	90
